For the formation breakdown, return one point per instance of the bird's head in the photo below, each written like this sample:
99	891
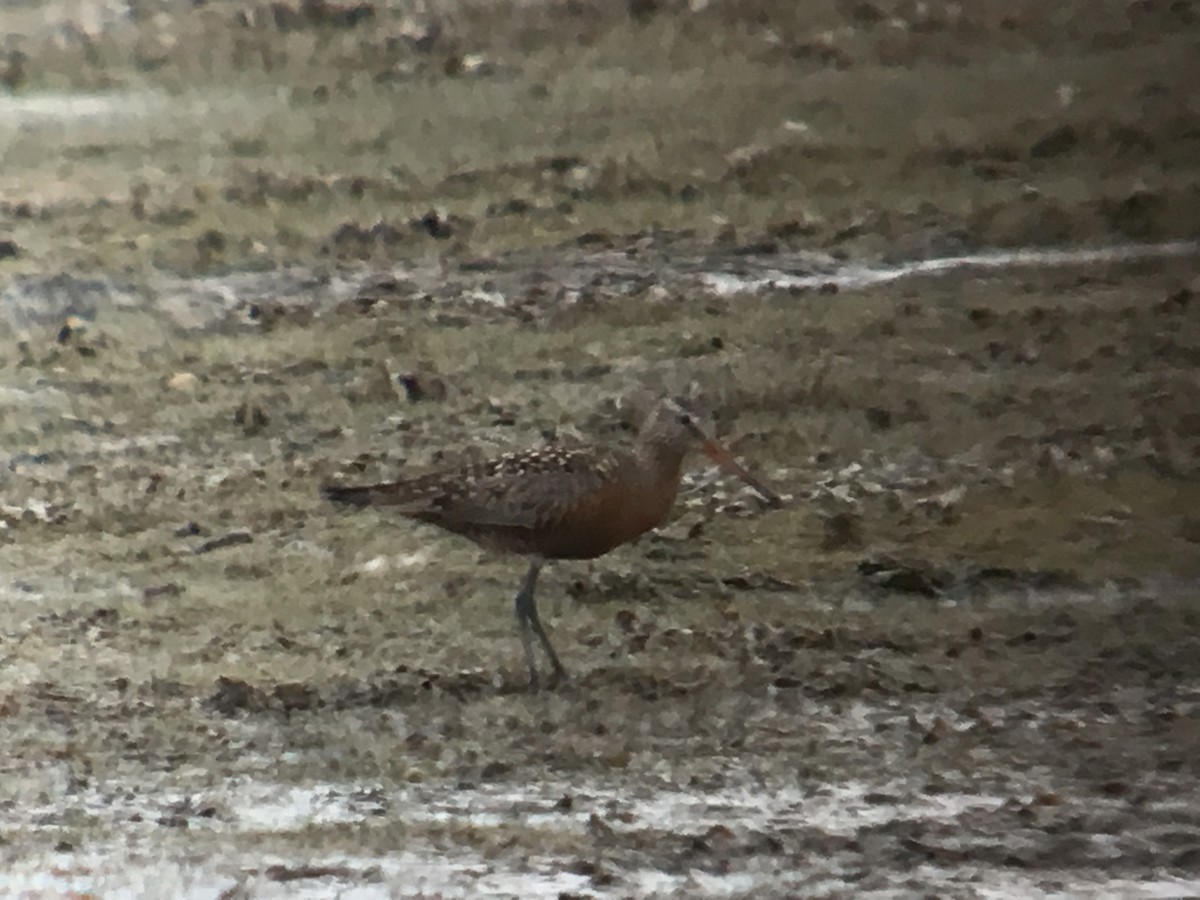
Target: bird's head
673	428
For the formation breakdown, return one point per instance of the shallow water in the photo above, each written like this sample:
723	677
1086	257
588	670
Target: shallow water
199	303
33	109
136	864
855	275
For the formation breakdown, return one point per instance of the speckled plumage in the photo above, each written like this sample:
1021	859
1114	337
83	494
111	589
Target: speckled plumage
553	502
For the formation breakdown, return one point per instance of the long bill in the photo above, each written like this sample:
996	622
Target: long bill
723	458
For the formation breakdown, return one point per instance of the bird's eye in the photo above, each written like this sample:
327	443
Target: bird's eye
685	419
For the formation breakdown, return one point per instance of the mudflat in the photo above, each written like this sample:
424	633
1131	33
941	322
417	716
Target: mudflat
931	270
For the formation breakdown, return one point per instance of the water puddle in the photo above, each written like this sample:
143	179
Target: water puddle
34	108
856	276
468	847
32	304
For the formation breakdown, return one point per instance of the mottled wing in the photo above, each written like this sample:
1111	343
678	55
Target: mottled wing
533	489
528	490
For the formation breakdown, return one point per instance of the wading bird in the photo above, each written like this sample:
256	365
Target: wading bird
556	502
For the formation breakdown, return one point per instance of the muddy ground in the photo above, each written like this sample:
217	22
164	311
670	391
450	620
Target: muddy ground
247	248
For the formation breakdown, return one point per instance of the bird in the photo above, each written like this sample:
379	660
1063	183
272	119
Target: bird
555	502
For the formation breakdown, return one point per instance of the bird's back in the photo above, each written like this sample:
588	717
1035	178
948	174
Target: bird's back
559	503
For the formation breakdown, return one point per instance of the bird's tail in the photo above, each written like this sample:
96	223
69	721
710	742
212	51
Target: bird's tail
408	497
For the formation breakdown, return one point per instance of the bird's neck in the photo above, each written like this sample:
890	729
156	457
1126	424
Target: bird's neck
655	481
659	463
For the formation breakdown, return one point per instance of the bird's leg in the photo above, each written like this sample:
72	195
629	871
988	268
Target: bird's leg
528	621
524	605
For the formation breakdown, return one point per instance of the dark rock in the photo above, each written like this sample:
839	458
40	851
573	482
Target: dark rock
226	540
1055	142
233	694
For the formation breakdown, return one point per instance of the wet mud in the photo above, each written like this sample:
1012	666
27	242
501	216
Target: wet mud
962	658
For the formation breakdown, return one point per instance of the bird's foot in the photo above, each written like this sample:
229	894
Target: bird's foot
558	678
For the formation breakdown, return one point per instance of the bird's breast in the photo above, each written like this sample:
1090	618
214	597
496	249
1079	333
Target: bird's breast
613	514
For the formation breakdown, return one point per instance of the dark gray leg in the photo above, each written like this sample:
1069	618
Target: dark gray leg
528	621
